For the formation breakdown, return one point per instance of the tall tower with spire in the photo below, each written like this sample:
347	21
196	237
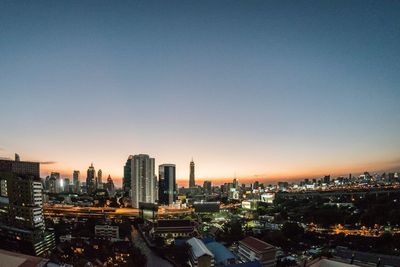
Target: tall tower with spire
192	182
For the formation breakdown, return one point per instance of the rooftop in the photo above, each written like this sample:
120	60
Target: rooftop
174	223
13	259
221	253
198	247
256	244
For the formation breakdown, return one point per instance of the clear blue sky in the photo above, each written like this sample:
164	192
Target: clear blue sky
267	88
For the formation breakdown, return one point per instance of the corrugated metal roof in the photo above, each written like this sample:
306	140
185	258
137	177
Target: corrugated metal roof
198	247
221	253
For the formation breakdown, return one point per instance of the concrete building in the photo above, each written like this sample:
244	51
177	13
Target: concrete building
143	182
76	182
199	254
52	184
99	180
22	225
126	181
25	203
253	249
173	228
166	184
109	186
107	231
55	183
207	187
192	182
222	255
91	179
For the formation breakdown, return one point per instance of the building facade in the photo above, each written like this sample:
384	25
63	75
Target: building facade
207	187
143	182
109	186
22	225
199	254
126	180
99	180
75	179
106	231
254	249
192	182
55	182
166	184
91	179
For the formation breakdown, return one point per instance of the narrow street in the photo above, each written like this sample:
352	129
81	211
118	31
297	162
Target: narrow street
153	260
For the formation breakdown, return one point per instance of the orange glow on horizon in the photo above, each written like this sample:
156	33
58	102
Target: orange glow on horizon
272	177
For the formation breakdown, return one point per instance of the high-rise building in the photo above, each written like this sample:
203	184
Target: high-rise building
192	182
99	182
166	184
22	225
143	182
207	187
236	184
75	179
52	185
20	167
109	186
126	181
66	184
91	179
55	182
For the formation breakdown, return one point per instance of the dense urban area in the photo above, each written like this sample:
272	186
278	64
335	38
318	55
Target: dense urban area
350	220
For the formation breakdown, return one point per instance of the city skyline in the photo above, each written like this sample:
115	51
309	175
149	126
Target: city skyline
184	181
266	90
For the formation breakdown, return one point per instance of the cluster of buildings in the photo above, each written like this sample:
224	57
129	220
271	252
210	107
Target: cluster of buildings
251	252
54	184
140	181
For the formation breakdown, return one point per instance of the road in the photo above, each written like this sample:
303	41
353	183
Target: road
104	211
153	260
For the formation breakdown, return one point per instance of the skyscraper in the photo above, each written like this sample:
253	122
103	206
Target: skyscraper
55	182
109	186
166	184
22	225
99	183
207	187
192	182
91	179
66	185
126	181
75	179
52	185
143	182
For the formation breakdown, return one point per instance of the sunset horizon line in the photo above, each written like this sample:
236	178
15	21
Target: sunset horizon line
184	181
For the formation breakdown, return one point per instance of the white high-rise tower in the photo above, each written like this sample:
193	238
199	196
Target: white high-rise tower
143	180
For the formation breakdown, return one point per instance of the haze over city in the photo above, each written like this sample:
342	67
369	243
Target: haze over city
258	90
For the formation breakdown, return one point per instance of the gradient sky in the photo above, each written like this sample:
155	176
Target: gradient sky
263	89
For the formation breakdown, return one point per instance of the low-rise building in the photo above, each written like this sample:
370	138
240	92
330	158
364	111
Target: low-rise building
222	255
108	231
173	228
199	254
251	249
206	207
250	204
